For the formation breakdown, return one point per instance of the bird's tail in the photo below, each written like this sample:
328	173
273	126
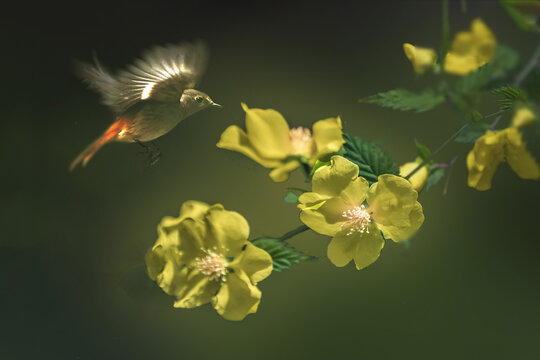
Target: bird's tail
111	134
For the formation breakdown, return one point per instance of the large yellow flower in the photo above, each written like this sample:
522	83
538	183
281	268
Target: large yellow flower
419	178
344	206
203	256
269	141
469	50
492	149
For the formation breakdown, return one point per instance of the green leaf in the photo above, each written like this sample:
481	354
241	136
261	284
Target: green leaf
283	255
422	150
504	60
472	133
290	197
476	116
404	100
475	80
434	177
369	157
517	10
511	94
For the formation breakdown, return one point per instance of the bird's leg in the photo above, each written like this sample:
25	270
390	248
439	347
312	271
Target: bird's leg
152	151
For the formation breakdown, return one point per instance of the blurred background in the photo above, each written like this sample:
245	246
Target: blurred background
73	244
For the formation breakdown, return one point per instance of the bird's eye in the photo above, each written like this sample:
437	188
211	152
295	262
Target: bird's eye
199	99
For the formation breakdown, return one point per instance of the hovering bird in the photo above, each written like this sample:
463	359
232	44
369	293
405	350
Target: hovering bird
150	97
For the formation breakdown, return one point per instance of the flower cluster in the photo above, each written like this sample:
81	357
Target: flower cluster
358	216
203	256
270	141
498	146
469	50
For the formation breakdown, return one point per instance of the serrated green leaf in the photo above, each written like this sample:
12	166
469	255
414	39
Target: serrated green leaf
434	177
472	133
371	160
511	94
283	255
290	197
475	80
422	151
405	100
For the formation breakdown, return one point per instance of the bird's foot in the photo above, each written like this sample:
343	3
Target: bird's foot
150	151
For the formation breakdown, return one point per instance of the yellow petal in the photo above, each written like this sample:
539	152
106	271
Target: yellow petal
332	180
519	159
268	132
328	137
420	58
318	222
484	159
470	49
198	290
364	248
402	233
460	65
237	297
485	41
227	230
391	200
254	261
523	117
419	178
235	139
282	171
311	200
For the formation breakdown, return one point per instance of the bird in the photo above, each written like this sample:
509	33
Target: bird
150	96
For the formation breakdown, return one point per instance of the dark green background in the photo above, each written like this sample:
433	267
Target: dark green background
72	244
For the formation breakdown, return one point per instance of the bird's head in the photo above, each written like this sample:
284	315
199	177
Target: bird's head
194	100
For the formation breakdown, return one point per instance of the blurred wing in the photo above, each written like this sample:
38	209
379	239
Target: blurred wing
162	74
100	80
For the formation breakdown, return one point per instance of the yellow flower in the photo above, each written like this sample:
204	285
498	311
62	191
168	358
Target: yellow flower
419	178
523	117
344	206
269	141
421	58
470	49
492	149
203	256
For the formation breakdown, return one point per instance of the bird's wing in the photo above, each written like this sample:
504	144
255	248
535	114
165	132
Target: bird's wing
100	80
163	73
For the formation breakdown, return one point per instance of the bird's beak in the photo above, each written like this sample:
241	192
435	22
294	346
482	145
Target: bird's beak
216	105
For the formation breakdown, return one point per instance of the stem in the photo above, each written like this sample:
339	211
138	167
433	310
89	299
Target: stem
450	167
528	67
294	232
495	122
443	145
445	36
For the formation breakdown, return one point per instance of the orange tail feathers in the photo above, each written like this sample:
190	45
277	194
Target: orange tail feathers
116	129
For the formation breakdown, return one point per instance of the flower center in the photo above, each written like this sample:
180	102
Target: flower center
357	220
212	265
301	141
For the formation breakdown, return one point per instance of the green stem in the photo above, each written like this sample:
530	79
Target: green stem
445	36
528	67
450	168
294	232
443	145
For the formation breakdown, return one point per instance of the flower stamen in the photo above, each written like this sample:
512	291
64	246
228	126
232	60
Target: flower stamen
301	141
358	220
213	265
